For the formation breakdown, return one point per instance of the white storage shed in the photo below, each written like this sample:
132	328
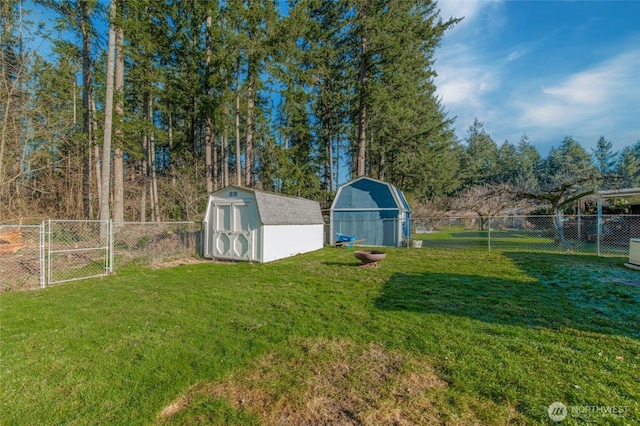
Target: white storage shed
246	224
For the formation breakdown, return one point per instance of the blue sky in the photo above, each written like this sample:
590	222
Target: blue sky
547	69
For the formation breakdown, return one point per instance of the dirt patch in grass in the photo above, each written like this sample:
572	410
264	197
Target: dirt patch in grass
187	260
328	382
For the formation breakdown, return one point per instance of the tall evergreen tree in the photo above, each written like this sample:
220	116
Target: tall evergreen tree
605	160
572	159
528	163
393	48
604	155
508	165
480	157
628	166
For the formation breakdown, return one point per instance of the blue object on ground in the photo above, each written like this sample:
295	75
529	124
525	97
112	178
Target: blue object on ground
346	239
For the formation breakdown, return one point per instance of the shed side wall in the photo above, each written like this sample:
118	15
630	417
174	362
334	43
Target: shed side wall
281	241
370	227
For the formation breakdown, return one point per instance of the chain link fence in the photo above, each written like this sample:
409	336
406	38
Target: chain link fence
58	251
34	256
21	256
578	234
153	243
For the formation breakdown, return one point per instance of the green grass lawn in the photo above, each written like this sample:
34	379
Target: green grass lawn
431	336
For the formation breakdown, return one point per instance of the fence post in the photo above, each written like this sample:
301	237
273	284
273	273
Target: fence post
43	260
48	234
110	247
599	227
489	234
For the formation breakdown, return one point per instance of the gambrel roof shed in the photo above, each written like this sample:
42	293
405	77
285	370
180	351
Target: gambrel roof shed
247	224
374	211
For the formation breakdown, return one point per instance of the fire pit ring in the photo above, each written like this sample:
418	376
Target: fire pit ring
369	258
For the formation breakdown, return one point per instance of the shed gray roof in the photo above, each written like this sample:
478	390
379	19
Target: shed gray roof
281	210
275	209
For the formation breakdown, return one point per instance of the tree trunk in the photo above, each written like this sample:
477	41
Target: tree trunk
558	226
362	107
383	164
96	154
249	130
225	158
118	185
153	181
7	94
237	129
215	171
330	155
337	175
143	201
108	119
225	148
118	158
207	153
85	24
144	164
172	167
208	121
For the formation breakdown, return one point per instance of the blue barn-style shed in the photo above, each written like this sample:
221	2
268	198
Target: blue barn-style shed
374	211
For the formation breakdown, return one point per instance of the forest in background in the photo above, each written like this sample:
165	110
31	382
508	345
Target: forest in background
142	108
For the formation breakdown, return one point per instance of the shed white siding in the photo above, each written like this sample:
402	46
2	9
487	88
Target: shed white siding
245	224
281	241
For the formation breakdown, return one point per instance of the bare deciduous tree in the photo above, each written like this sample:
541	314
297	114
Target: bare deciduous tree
488	201
564	190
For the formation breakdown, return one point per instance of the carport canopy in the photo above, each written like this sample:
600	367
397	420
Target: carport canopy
612	193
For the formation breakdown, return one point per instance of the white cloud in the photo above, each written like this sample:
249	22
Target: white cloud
467	76
516	54
604	90
466	86
513	91
467	9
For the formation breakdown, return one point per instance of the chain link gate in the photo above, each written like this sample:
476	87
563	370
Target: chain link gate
78	249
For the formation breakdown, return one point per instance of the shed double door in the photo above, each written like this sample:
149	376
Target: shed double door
232	235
